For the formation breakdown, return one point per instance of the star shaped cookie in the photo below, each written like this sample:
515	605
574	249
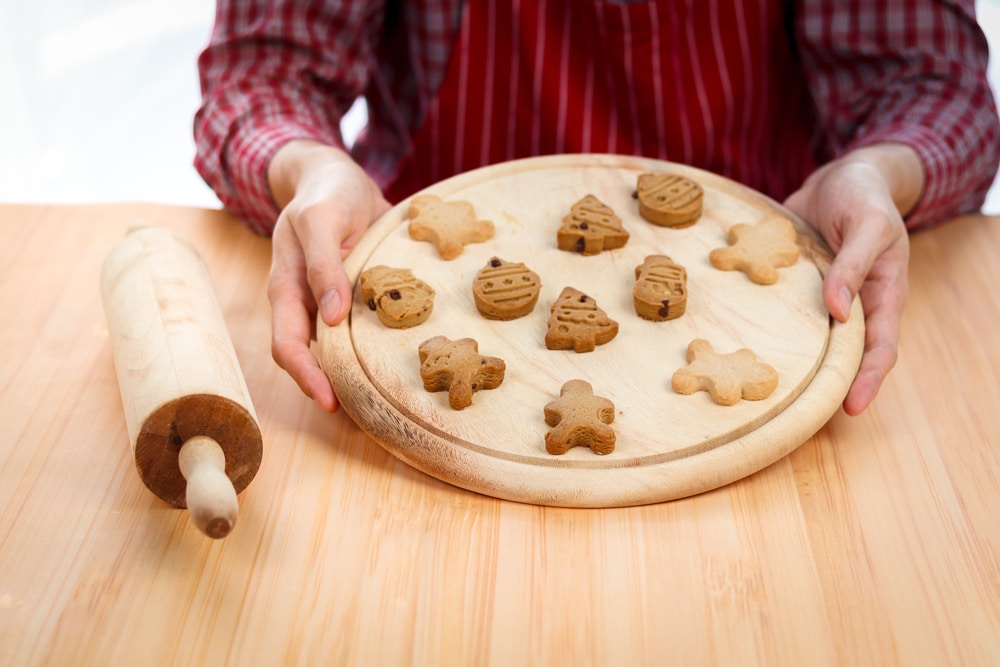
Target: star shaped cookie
579	418
758	250
449	225
726	377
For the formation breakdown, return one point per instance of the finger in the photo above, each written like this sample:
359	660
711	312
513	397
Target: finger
876	362
883	301
292	313
875	365
291	328
318	234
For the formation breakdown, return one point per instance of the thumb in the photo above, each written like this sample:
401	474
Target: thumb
327	279
321	242
325	246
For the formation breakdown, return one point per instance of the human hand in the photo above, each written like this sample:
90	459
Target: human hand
857	203
327	202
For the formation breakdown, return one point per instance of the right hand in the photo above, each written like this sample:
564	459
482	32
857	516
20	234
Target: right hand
327	203
857	203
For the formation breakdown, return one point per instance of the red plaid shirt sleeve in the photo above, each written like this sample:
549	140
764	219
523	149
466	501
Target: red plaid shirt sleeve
912	72
273	72
909	71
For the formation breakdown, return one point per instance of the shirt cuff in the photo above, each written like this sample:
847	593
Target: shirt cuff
248	154
936	203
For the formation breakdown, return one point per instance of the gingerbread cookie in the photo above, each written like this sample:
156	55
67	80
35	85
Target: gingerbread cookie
505	290
579	419
458	368
726	377
758	250
591	227
660	291
450	226
669	200
577	323
399	298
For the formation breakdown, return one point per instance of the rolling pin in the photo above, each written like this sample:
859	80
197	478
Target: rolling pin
192	426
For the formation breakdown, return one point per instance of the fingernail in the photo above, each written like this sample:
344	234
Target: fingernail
845	301
329	306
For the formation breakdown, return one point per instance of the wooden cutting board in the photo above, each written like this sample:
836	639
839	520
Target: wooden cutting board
668	445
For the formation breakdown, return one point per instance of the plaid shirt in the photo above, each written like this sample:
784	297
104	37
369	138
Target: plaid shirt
912	72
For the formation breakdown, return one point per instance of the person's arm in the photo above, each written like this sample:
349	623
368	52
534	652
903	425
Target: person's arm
276	79
902	95
906	72
273	72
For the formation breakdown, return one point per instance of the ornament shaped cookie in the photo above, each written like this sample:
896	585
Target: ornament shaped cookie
449	225
660	291
758	250
577	323
590	228
399	298
579	419
505	290
669	200
458	368
726	377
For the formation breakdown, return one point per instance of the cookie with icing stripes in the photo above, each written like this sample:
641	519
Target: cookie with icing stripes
399	298
590	228
577	323
669	200
660	291
505	290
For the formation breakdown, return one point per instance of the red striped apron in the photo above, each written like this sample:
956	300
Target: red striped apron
710	83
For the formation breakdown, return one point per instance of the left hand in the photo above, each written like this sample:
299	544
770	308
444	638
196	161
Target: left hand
855	202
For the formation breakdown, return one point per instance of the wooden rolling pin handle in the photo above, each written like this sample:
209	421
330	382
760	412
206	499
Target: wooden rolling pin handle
211	497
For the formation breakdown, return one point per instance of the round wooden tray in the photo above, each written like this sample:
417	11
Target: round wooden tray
668	445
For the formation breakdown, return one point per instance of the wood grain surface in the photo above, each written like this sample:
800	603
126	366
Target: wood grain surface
876	542
668	444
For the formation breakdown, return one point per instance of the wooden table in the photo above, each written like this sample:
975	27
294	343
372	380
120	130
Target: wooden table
875	543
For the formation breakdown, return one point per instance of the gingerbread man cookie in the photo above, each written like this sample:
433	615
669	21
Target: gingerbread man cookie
458	368
726	377
579	419
758	250
577	323
591	227
450	226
